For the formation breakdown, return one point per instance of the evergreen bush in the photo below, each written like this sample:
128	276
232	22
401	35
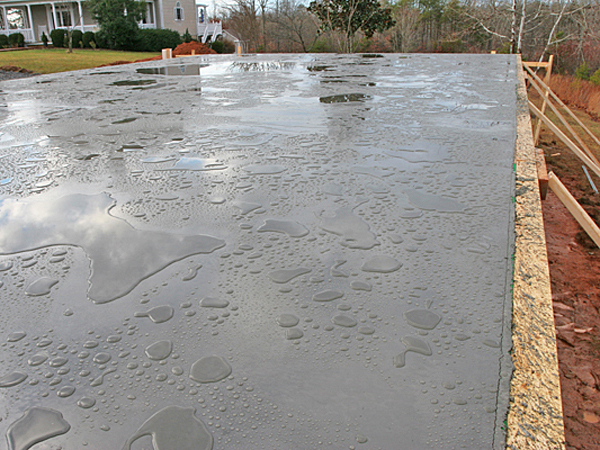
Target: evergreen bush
76	38
583	72
595	78
16	40
88	37
218	46
228	47
58	37
3	40
154	40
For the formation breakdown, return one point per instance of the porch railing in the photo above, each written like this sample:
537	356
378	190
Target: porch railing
26	32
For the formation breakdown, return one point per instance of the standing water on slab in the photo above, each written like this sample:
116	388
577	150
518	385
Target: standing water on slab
249	252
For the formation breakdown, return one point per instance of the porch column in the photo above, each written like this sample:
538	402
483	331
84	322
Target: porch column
30	20
5	18
80	15
49	21
154	20
54	16
160	13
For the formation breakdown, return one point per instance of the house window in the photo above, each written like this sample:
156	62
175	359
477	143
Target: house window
178	11
2	26
16	18
149	17
63	16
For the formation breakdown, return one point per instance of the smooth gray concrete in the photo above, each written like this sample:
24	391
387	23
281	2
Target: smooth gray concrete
262	252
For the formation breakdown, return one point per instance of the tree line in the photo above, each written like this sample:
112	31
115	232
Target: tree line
534	28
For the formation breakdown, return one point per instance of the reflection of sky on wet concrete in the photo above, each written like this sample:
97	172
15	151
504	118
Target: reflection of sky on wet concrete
120	255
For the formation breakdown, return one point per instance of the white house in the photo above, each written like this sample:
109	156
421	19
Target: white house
34	17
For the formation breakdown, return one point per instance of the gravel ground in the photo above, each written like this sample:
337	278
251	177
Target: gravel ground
7	75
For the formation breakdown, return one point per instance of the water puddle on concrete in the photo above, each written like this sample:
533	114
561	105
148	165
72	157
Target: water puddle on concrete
179	70
313	237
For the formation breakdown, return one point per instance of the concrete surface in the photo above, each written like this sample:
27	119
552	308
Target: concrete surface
289	251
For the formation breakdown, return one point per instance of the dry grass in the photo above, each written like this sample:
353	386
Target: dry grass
579	93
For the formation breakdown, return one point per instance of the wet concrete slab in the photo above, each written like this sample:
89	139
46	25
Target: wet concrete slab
279	251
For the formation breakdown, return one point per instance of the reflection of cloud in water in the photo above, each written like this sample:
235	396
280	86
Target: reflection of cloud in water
121	256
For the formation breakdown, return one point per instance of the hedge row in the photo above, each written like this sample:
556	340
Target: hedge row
146	40
12	40
59	38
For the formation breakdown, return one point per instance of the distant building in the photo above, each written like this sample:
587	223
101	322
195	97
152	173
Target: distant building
34	17
207	30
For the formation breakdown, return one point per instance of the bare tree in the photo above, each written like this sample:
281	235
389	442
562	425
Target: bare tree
263	13
294	27
405	34
242	16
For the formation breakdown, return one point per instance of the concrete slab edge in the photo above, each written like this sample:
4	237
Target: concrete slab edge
535	419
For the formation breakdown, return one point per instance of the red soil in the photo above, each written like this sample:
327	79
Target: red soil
574	262
186	49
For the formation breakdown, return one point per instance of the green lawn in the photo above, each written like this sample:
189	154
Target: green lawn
53	60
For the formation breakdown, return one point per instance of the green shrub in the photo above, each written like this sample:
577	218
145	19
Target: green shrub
320	46
583	72
16	40
153	40
218	46
77	38
505	49
44	39
88	37
58	37
187	37
228	47
100	40
454	46
595	78
3	40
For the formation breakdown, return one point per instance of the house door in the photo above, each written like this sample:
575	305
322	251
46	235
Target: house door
42	29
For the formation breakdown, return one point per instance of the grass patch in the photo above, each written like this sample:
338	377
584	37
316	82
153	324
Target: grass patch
54	60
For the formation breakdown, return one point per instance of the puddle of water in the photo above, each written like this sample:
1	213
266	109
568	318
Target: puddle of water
422	318
344	98
36	425
292	229
430	202
158	314
133	82
413	344
173	71
174	427
194	163
84	221
355	232
159	350
320	68
285	275
210	369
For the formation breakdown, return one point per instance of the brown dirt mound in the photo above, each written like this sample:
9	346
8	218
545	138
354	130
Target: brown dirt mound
14	69
186	49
